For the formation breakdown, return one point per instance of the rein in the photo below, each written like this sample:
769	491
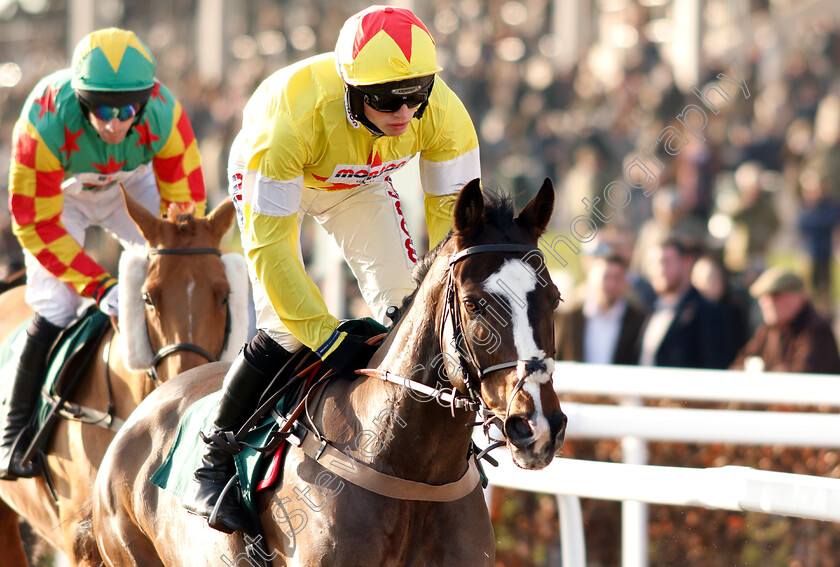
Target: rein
472	401
167	350
106	419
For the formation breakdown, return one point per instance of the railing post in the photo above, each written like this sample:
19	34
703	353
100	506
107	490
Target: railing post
572	539
634	515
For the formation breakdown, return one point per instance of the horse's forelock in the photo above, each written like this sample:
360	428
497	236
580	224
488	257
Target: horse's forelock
498	209
498	212
181	214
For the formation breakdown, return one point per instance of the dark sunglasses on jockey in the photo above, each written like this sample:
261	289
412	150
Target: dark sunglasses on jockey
121	113
390	97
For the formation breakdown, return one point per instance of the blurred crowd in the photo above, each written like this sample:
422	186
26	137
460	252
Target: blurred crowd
739	234
761	188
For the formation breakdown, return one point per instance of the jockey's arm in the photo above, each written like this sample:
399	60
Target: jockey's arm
448	161
36	202
270	235
293	295
177	165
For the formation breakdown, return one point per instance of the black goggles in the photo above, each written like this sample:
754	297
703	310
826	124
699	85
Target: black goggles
393	97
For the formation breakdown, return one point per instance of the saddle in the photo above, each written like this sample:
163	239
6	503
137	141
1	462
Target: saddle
70	355
261	441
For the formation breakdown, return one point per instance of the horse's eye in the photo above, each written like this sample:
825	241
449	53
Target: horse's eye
226	299
471	305
147	299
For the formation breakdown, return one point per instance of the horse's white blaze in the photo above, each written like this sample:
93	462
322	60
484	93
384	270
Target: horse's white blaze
540	425
190	300
513	281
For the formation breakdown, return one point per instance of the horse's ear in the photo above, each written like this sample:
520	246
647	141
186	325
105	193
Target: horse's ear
468	213
536	214
147	223
220	219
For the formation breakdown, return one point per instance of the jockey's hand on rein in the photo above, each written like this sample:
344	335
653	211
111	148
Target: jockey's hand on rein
351	354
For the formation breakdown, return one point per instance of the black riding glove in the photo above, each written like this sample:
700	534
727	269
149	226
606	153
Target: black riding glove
353	352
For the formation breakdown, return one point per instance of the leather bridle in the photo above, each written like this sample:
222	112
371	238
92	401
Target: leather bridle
472	382
167	350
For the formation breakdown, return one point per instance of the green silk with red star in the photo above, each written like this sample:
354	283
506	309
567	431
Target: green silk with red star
54	141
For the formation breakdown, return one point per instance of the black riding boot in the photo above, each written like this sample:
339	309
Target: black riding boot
29	378
244	384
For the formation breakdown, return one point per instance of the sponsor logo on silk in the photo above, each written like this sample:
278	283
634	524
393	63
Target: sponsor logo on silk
410	252
363	174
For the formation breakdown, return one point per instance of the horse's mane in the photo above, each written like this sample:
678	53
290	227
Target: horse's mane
498	212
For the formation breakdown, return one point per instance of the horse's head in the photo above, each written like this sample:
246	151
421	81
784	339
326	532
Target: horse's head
500	316
179	316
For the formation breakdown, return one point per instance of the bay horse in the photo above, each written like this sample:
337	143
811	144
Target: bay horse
184	319
479	322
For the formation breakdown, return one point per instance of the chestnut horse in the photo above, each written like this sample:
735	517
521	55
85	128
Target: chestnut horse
181	305
482	317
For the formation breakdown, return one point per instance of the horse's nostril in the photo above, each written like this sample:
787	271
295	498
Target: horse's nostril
558	428
518	429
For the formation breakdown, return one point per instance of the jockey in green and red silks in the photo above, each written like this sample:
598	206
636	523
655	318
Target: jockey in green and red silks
82	130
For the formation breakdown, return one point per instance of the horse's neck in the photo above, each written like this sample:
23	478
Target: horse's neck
128	387
423	439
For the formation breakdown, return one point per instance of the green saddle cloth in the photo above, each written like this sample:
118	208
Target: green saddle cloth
175	473
71	342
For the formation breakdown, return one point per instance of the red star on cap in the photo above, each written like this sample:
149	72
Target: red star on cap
70	144
47	101
147	137
395	22
109	167
156	93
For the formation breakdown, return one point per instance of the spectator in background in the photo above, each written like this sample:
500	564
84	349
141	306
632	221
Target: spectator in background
604	328
684	328
819	216
586	178
824	155
794	337
711	279
671	220
755	219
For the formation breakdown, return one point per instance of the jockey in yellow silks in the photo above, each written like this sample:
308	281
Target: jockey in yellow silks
322	138
82	130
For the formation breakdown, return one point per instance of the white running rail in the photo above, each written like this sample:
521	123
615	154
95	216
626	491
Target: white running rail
728	488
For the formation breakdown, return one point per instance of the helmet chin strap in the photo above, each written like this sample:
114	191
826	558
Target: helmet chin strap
354	104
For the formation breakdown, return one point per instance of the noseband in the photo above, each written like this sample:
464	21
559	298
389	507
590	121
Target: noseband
178	347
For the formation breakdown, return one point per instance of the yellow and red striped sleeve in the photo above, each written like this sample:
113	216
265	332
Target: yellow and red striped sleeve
177	166
36	203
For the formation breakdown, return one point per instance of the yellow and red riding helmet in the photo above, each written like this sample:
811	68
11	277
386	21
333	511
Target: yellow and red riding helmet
385	50
382	44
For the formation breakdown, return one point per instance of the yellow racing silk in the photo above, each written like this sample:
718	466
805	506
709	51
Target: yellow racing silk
297	132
